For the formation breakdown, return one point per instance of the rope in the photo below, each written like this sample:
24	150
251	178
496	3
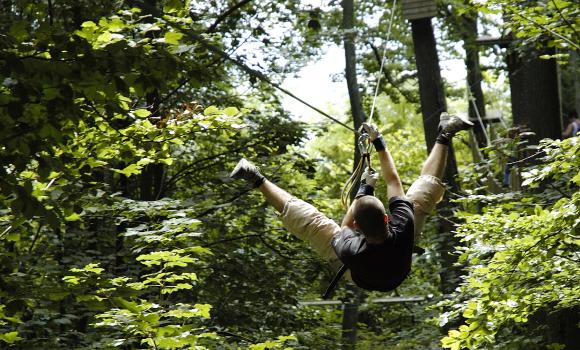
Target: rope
349	185
474	105
365	149
380	73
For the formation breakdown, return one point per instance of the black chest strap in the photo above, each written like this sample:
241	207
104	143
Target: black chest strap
334	282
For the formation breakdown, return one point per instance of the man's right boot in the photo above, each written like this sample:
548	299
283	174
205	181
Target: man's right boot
249	172
450	124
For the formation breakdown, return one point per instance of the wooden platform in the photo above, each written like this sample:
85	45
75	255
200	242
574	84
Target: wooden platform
417	9
492	116
391	300
491	40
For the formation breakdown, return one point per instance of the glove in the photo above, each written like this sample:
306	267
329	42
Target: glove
368	180
372	130
370	177
375	136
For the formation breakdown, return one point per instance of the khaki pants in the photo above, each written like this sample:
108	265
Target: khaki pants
308	224
425	193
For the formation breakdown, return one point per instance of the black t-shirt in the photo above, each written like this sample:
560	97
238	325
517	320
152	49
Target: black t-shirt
383	266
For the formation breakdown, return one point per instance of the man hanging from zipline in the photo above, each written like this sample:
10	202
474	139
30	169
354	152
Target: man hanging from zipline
376	249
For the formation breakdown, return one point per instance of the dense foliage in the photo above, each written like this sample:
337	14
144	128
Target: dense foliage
107	174
120	228
520	254
554	22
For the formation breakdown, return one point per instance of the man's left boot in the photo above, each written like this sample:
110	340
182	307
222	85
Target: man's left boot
249	172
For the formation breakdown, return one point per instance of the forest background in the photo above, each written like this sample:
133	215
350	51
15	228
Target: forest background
120	227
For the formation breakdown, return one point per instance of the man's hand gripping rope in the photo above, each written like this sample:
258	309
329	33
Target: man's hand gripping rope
368	135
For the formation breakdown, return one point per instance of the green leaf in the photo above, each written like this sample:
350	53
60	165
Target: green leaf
169	343
10	337
576	179
105	37
19	30
116	25
141	113
231	111
89	24
126	304
132	169
94	268
74	280
73	217
172	6
173	38
211	110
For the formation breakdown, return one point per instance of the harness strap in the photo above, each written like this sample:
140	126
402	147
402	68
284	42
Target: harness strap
332	286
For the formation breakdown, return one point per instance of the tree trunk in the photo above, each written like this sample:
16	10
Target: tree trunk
350	311
431	92
350	69
570	85
558	326
151	179
432	97
575	66
535	94
474	78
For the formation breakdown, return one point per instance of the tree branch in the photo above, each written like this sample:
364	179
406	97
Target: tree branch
226	240
545	28
36	235
251	72
405	94
566	195
235	335
226	203
276	250
225	15
189	168
566	20
50	12
261	237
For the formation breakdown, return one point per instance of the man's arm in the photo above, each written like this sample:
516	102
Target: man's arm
348	220
368	182
394	185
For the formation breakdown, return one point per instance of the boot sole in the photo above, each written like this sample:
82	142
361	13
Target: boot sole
464	119
238	167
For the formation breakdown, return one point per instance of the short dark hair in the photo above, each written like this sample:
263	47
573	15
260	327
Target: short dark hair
369	214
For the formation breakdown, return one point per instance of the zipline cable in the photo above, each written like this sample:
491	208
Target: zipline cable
259	75
365	151
252	72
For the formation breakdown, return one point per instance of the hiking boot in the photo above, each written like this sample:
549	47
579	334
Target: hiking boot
450	123
249	172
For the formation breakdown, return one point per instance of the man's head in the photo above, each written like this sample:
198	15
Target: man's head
370	217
